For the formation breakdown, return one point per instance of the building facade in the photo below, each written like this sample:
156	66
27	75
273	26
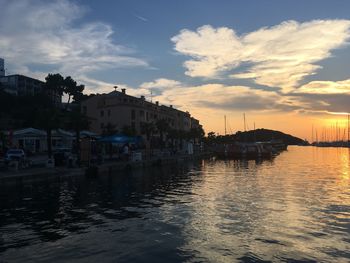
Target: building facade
20	85
119	110
35	140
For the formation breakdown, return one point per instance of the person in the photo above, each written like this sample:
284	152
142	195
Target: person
126	151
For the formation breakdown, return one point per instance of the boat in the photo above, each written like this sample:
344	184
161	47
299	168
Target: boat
249	151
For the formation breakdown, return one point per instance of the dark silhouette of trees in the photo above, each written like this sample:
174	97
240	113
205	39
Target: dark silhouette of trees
49	119
69	87
78	95
128	131
54	83
73	90
196	134
109	129
148	129
77	122
162	127
3	141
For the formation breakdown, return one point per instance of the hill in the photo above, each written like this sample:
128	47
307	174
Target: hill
267	135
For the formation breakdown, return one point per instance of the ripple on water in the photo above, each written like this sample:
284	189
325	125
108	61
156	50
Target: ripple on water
295	208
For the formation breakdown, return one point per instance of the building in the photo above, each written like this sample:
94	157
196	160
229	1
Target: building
20	85
119	110
35	140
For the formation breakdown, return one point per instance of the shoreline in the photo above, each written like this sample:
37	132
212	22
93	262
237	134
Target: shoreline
43	173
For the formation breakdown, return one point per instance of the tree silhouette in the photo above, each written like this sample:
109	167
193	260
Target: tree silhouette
162	127
128	131
196	133
70	86
3	141
77	122
73	90
49	119
55	83
147	128
109	129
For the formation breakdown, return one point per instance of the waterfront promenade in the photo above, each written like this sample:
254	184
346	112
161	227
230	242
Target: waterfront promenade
39	171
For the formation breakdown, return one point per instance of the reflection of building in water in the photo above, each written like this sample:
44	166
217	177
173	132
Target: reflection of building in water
119	110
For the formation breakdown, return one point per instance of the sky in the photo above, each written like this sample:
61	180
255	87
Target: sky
284	64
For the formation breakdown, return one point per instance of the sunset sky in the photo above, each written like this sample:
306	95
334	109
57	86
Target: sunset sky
285	64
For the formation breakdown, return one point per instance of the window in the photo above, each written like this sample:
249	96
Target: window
133	114
102	125
142	114
109	113
102	113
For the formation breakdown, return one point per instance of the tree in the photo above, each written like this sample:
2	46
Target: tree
77	122
49	119
70	86
162	127
3	141
73	90
196	133
128	131
109	129
174	135
211	137
78	95
55	83
147	128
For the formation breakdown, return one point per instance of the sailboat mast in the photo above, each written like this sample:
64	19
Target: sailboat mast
225	123
348	129
244	122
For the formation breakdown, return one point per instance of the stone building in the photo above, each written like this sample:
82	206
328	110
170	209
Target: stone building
117	109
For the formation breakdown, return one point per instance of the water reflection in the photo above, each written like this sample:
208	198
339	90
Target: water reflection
293	208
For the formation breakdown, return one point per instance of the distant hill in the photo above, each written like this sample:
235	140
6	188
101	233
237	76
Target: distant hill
262	135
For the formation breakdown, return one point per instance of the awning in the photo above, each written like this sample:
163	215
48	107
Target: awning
121	139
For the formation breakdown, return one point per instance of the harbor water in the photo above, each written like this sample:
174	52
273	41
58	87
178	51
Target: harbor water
294	208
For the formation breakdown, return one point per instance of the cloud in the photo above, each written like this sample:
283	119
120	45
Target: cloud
219	97
141	18
161	83
325	87
278	56
52	34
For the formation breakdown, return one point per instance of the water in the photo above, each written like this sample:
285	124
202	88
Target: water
295	208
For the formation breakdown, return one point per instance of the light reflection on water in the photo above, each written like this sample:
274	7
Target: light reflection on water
294	208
